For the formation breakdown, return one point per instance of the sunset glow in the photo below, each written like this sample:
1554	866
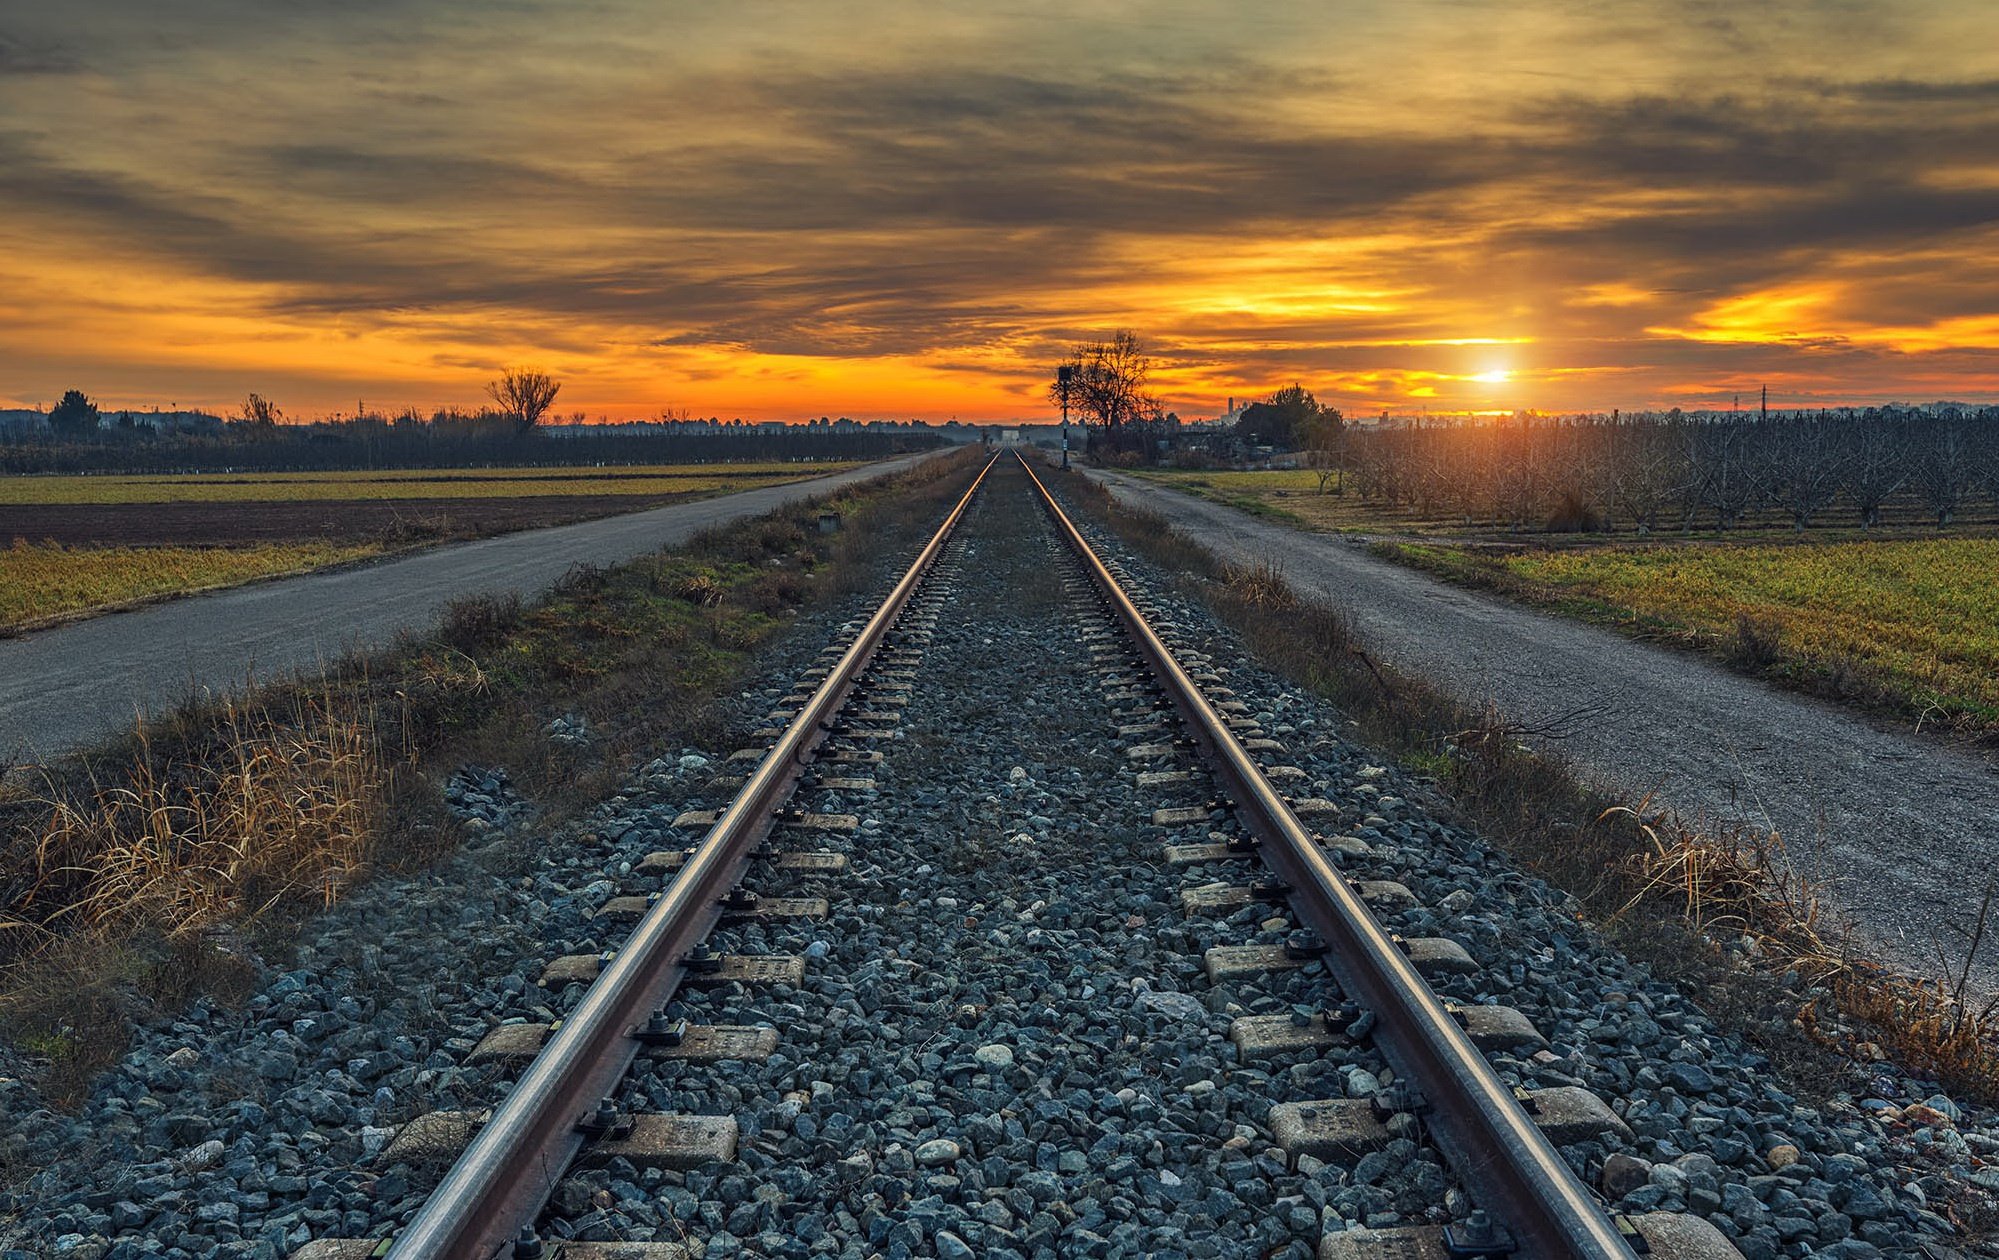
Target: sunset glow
855	209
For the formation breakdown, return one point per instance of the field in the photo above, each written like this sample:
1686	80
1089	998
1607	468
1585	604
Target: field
39	583
72	543
1291	495
1905	626
428	484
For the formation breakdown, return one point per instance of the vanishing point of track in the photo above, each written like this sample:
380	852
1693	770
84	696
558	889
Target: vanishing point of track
563	1108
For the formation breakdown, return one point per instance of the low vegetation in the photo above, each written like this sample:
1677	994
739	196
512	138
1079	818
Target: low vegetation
1722	914
405	483
171	862
1907	626
43	583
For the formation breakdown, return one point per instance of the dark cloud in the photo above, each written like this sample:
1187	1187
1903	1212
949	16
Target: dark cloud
23	56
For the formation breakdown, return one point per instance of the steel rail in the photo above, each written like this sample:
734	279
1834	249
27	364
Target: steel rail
504	1178
1511	1168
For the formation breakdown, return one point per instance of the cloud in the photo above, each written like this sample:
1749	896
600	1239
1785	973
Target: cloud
669	188
20	56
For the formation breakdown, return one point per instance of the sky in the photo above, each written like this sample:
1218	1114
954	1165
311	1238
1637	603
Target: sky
771	209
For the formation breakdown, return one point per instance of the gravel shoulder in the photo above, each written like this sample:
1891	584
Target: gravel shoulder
1895	828
67	687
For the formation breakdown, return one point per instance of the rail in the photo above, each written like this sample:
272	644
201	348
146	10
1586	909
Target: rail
500	1183
1511	1168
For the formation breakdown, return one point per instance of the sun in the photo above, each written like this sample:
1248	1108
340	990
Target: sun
1498	376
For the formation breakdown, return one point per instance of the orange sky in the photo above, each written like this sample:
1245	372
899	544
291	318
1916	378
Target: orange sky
782	209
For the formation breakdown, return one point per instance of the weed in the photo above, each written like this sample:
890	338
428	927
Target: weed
475	621
1754	644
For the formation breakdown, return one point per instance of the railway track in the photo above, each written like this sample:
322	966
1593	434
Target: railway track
858	920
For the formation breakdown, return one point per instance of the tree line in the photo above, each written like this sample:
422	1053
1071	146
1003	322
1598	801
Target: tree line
81	439
1674	470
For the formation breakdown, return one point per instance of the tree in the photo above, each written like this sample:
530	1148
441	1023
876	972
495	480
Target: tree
1942	469
1278	420
259	413
74	416
1324	438
526	394
1877	465
1804	468
1106	381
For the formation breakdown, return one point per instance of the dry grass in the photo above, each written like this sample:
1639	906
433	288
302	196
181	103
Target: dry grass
1739	886
192	844
182	847
42	582
1721	912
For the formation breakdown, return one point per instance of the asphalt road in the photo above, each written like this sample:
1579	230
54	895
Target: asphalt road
69	686
1896	828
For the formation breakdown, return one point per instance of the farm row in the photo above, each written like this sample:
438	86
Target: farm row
1651	473
73	545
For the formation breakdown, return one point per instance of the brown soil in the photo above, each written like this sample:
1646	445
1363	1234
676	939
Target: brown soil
374	520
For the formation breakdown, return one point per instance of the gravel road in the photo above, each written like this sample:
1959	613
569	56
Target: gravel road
66	687
1897	828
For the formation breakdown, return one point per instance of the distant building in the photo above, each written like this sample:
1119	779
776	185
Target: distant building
163	423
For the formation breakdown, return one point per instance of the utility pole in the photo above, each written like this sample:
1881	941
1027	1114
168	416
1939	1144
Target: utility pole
1764	414
1065	380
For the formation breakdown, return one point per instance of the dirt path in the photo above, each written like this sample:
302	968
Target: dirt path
63	688
1900	830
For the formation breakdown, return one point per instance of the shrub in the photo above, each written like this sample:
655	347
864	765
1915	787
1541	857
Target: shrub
478	620
1573	515
1755	644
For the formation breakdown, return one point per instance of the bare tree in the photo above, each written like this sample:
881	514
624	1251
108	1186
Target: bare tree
1803	467
1876	466
1325	435
1942	469
260	413
1724	471
1107	381
1648	466
526	394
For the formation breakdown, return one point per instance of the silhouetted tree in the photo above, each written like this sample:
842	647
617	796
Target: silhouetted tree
1279	419
258	414
1324	438
74	416
1107	381
526	394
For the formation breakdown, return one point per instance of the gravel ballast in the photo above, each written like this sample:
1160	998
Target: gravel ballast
1006	1042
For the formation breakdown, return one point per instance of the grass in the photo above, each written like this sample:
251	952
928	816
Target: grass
42	582
482	483
1718	913
170	862
1908	625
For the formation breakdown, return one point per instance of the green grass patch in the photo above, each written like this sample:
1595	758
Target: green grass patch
1905	626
